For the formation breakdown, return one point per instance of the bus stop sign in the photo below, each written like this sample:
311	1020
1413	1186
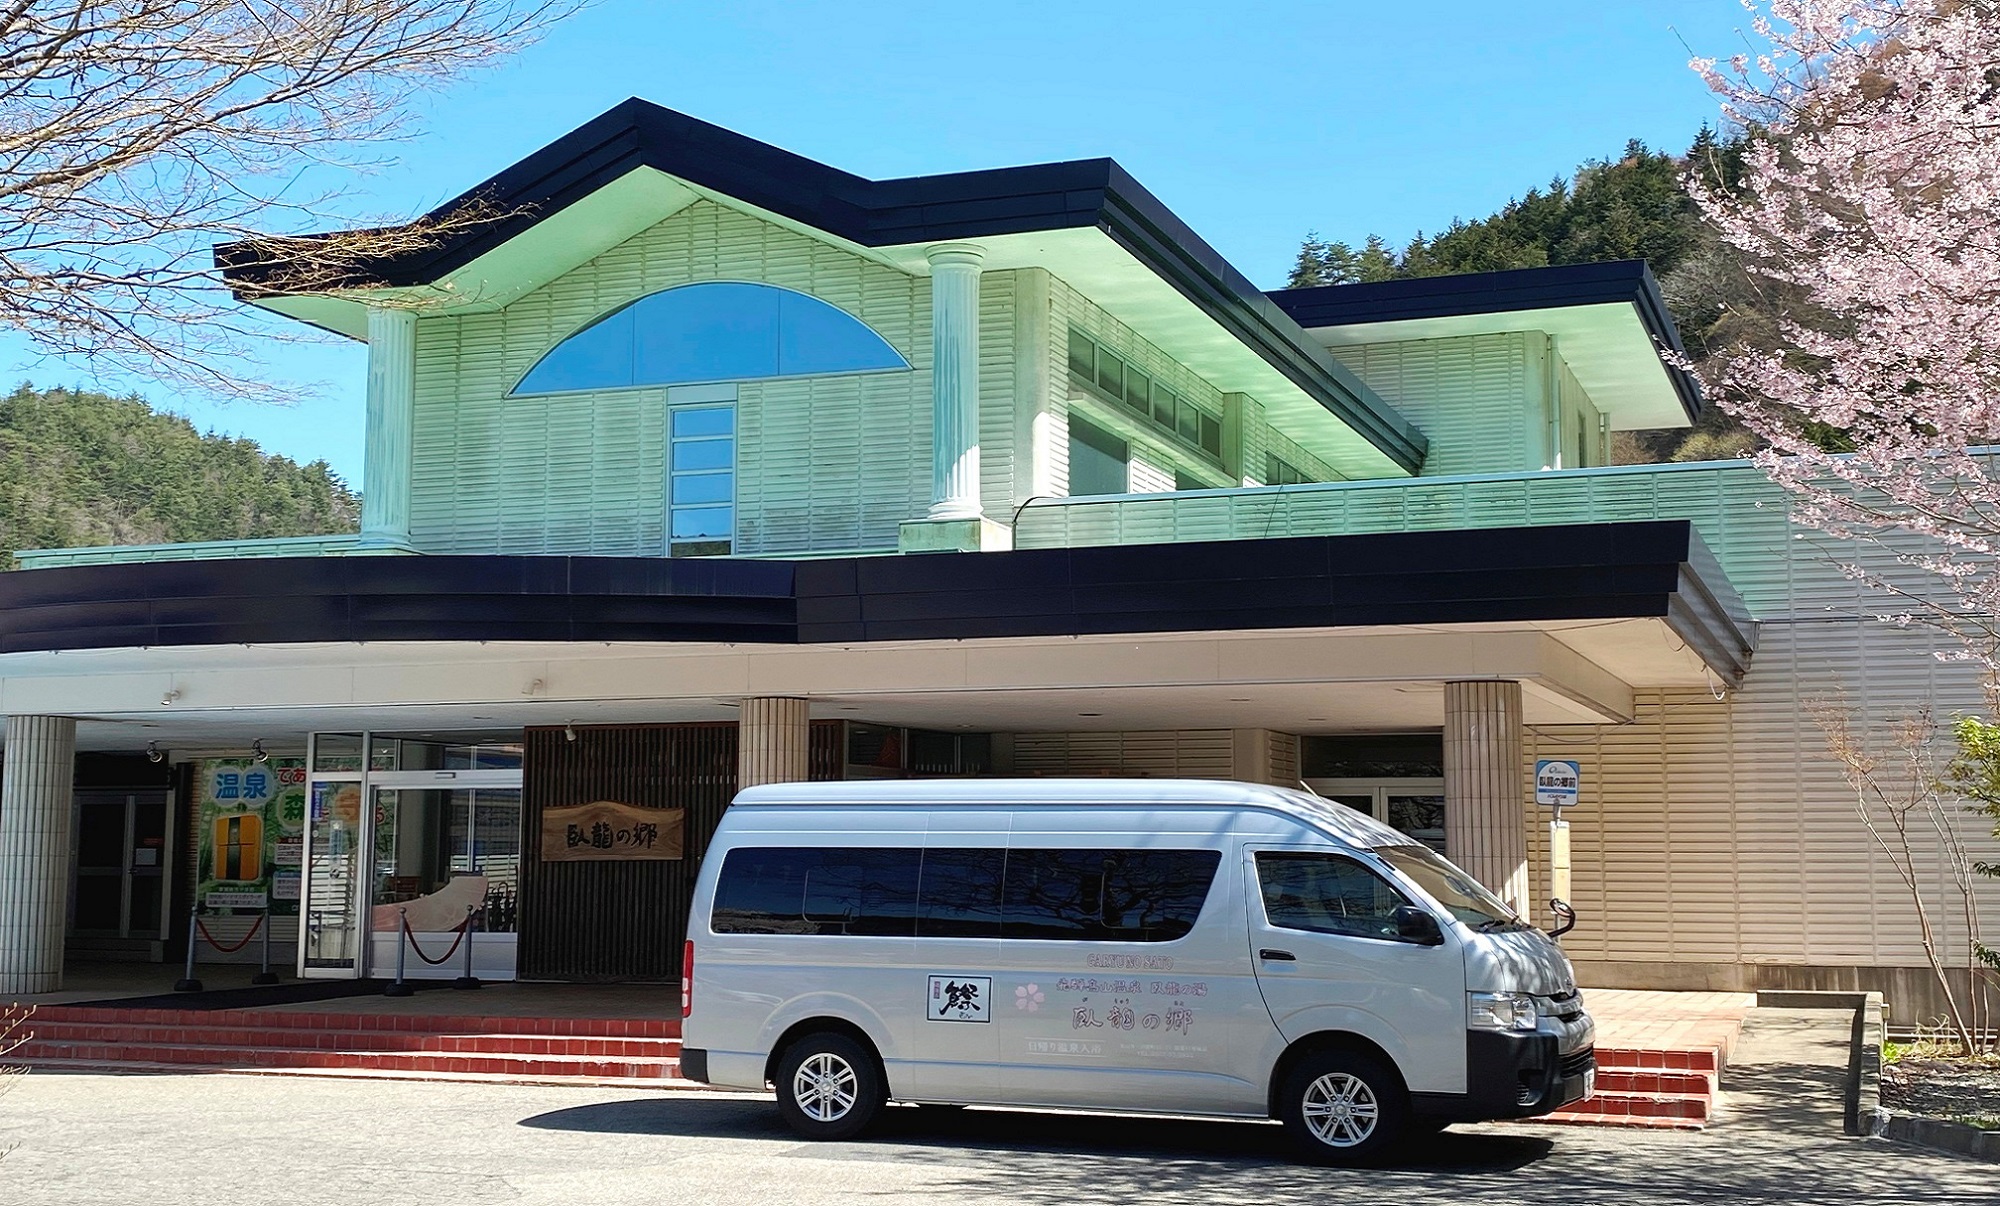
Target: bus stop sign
1556	782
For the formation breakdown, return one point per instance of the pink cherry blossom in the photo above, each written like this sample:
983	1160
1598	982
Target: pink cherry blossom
1878	198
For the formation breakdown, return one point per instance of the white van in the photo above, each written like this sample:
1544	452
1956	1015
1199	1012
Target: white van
1155	946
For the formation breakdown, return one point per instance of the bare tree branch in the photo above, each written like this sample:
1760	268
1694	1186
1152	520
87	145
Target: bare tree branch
135	135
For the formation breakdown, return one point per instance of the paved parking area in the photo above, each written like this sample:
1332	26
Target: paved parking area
97	1140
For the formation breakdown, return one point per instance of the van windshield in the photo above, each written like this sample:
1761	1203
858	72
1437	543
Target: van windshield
1467	900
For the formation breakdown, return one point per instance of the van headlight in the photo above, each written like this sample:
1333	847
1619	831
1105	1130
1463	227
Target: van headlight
1506	1011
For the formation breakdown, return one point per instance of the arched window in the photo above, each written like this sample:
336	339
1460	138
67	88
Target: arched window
725	331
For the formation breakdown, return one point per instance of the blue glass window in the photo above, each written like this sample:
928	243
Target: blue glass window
701	481
724	331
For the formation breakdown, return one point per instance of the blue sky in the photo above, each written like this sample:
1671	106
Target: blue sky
1254	121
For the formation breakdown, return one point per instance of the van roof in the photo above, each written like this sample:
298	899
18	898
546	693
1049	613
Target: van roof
1354	827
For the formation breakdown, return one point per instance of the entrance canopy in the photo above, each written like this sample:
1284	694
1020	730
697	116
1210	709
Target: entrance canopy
1307	634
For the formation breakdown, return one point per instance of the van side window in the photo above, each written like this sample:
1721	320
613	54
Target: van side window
1105	895
1326	894
959	896
1096	895
834	890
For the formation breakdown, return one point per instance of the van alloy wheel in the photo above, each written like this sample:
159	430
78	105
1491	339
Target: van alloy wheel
1341	1110
1343	1106
825	1086
829	1086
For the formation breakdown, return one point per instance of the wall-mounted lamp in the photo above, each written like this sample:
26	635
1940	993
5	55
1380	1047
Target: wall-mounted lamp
257	753
172	694
569	730
153	753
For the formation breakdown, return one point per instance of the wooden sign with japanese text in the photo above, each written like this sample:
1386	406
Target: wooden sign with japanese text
606	829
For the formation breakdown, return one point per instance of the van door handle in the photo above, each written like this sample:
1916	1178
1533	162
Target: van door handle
1277	956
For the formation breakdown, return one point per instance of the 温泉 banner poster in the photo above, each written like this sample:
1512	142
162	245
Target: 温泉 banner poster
250	824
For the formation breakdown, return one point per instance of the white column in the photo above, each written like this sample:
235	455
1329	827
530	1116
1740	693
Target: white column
954	381
772	739
1485	827
392	391
37	781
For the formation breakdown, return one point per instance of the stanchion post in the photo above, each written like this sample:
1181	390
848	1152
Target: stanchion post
467	979
266	975
400	987
187	982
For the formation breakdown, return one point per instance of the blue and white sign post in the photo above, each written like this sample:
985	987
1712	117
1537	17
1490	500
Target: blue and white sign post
1558	781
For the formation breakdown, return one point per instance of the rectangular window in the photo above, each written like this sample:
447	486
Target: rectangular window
1082	355
1099	895
1138	392
1327	894
1279	472
1099	462
1105	895
1108	375
959	896
836	890
701	480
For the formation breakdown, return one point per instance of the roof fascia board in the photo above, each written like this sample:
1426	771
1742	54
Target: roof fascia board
897	212
1628	282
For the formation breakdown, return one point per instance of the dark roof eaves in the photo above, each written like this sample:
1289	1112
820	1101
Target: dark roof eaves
1608	282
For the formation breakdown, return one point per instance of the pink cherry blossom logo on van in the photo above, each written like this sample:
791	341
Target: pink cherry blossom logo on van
1029	997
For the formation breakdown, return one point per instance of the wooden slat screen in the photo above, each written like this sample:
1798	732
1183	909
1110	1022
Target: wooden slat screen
604	921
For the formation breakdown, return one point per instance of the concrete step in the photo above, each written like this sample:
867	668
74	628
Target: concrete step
442	1023
1676	1084
370	1073
1685	1111
44	1032
1693	1059
437	1063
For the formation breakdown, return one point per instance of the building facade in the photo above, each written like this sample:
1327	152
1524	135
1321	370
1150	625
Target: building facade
706	465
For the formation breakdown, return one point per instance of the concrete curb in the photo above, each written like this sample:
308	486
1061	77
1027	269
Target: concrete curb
1861	1097
1945	1136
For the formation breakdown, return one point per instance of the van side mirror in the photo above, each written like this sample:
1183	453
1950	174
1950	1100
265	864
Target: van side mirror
1415	925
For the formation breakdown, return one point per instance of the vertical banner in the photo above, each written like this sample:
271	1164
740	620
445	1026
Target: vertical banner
250	820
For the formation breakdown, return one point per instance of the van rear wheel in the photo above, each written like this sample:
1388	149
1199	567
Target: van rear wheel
829	1087
1343	1107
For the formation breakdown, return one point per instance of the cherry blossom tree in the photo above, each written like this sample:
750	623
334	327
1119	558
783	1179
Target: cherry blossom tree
1871	191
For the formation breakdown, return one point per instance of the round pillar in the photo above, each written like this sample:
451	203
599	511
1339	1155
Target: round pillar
392	391
954	381
37	781
1485	826
772	742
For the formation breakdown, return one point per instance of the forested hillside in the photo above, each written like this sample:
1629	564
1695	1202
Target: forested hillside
79	468
1635	206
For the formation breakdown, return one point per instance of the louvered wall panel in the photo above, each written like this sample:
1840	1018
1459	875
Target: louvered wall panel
1471	396
1161	754
1161	457
584	473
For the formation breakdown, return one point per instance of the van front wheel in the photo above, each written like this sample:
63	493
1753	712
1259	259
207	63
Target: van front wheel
828	1087
1343	1107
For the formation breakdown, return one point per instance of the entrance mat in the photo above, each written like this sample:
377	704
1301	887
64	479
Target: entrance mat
254	998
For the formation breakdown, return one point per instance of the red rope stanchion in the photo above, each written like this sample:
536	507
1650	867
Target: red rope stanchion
463	928
230	950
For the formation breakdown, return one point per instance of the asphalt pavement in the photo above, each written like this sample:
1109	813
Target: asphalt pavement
229	1140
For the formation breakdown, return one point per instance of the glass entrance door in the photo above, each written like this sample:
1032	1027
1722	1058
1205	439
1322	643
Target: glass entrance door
120	865
441	855
410	827
1414	806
